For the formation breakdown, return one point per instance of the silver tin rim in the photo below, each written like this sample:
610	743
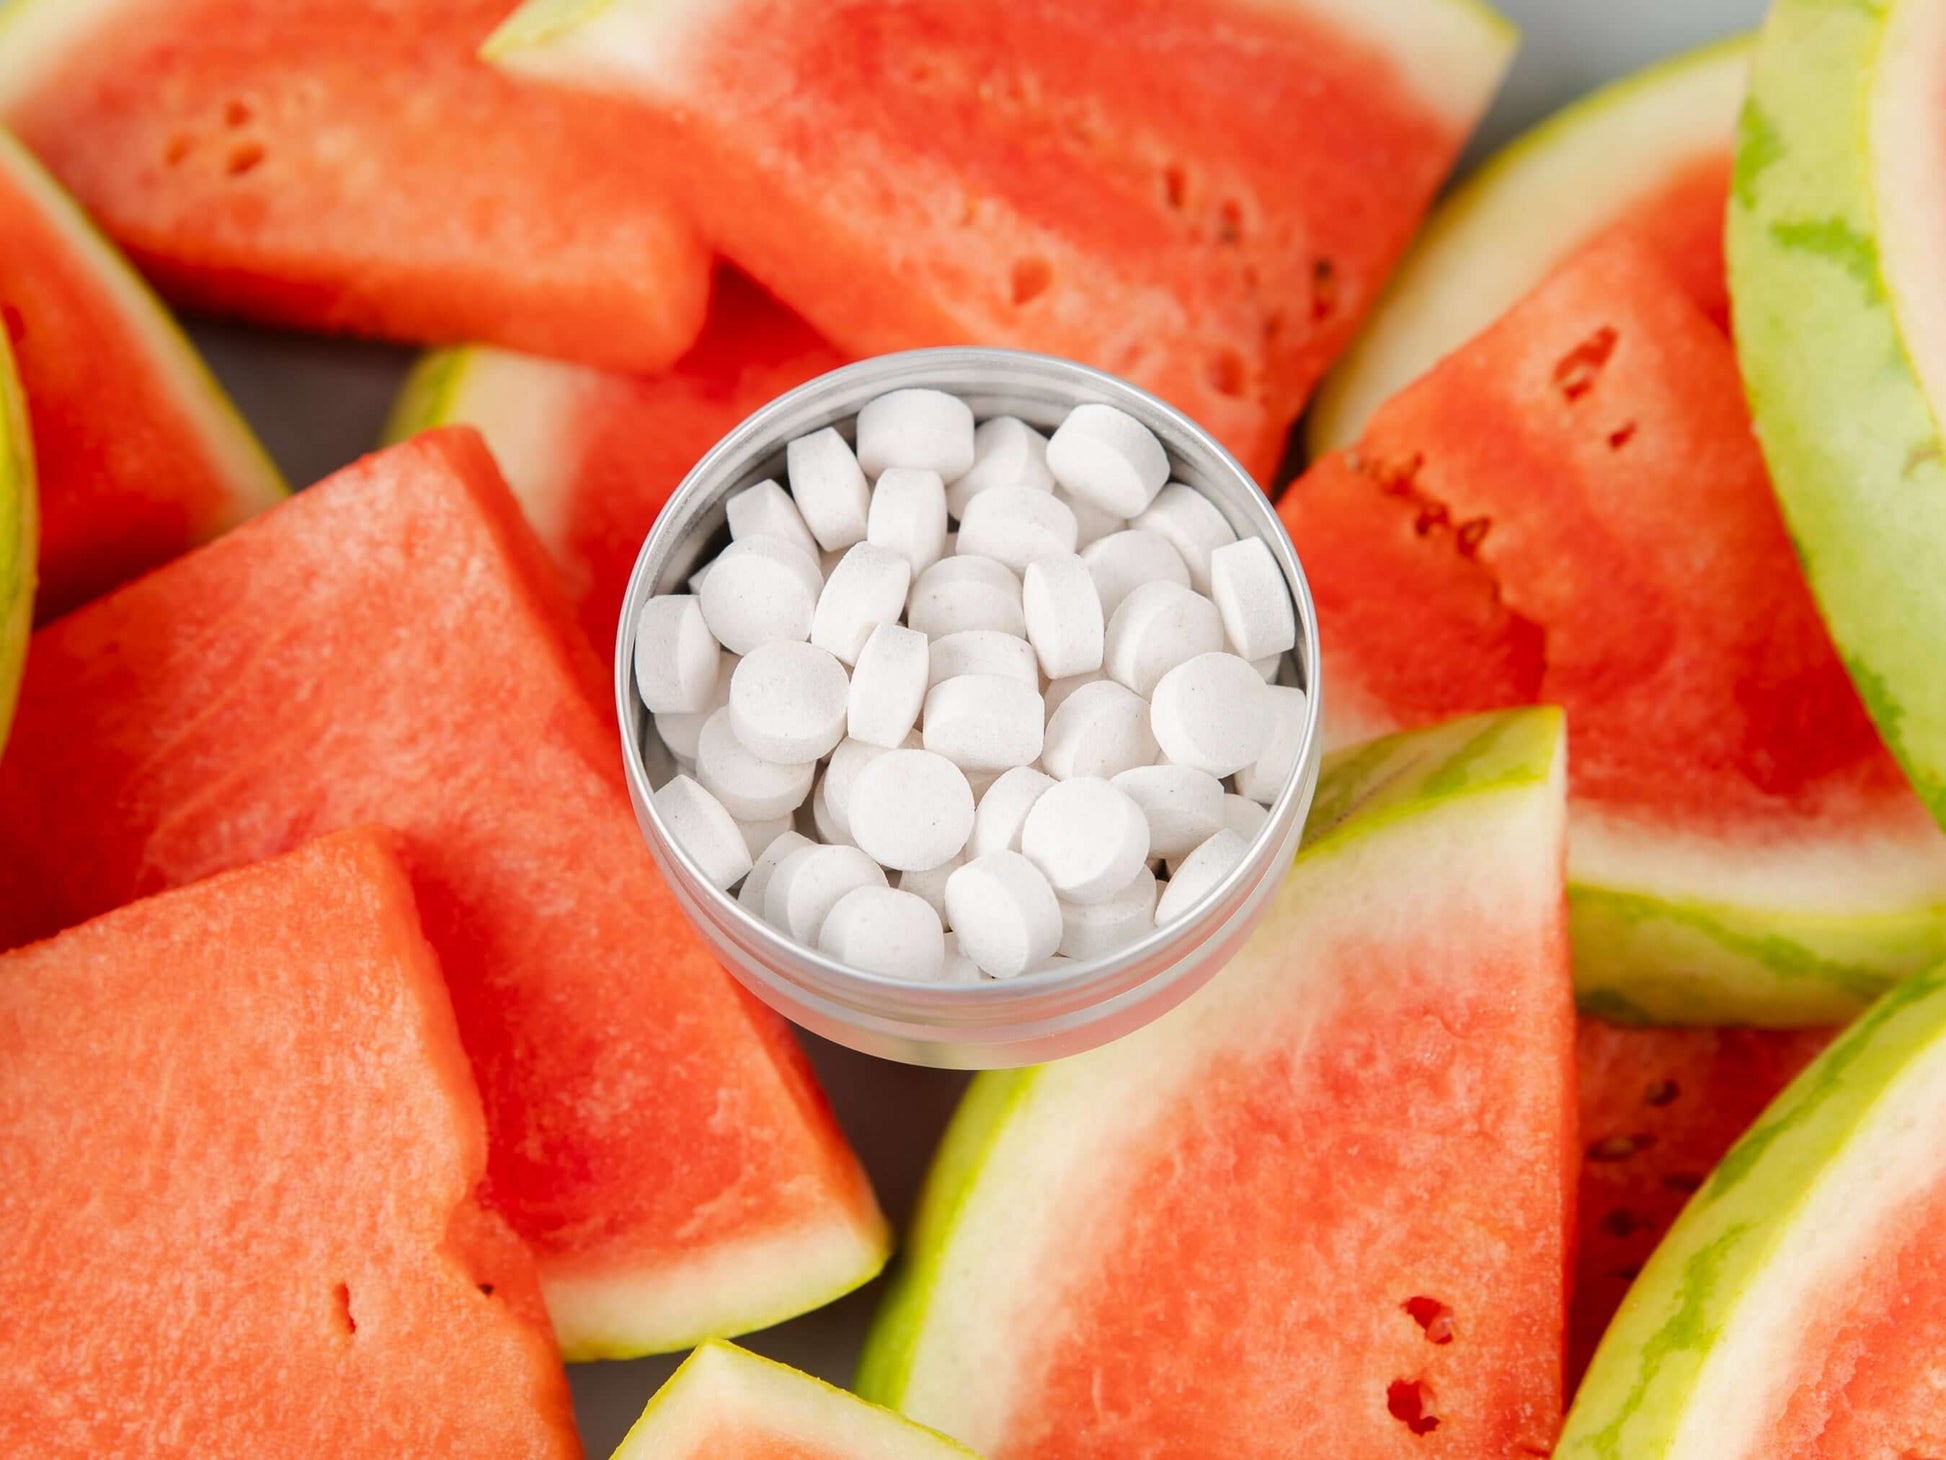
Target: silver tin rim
1000	1022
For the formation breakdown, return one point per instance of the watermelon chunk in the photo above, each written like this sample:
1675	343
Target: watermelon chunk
728	1404
1649	153
1320	1208
1200	195
348	165
139	453
391	646
1794	1310
1659	1108
242	1152
592	455
1577	500
19	536
1834	243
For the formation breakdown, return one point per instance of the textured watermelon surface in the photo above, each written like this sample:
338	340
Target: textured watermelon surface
139	454
348	165
727	1404
392	646
1320	1208
1659	142
243	1149
1659	1108
1795	1307
1200	195
19	537
1834	241
593	456
1579	502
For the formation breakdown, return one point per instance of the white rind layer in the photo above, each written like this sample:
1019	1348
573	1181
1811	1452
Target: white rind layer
722	1389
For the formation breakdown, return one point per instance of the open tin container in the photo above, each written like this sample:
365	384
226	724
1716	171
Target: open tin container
994	1023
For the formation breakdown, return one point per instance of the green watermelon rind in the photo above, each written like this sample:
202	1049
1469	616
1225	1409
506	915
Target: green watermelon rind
428	396
1852	441
1363	792
1643	125
249	480
1641	959
19	537
1728	1240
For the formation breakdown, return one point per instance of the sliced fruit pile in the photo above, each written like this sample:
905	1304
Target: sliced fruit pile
366	1067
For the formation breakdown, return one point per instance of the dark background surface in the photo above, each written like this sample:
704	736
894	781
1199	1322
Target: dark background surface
318	404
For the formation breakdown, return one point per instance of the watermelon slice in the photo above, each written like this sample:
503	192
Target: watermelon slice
348	165
1835	245
391	646
140	455
592	456
1795	1309
1659	1107
725	1403
1579	504
1200	195
19	536
1321	1208
1649	153
242	1153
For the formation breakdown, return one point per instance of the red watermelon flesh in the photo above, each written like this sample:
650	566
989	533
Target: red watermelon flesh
1659	1108
1681	222
1868	1379
1578	500
615	447
348	165
242	1151
138	455
391	646
1200	195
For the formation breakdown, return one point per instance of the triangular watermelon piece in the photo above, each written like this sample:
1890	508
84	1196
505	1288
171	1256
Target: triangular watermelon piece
1200	195
1659	1108
725	1403
139	453
243	1151
348	165
1581	513
593	456
1319	1209
1794	1311
391	646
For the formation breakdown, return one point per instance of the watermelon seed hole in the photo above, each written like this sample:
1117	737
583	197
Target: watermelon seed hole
178	150
1661	1093
1576	372
236	113
1029	279
343	1294
1686	1182
1225	373
1619	1148
1410	1401
1621	1222
1229	222
245	158
1621	436
1175	186
487	1289
1434	1318
1324	288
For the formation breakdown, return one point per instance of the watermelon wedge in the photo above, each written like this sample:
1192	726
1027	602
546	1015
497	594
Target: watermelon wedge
242	1152
1659	1108
392	646
1200	195
1795	1308
1578	503
725	1403
1322	1207
348	165
140	455
1649	153
19	536
592	456
1834	244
